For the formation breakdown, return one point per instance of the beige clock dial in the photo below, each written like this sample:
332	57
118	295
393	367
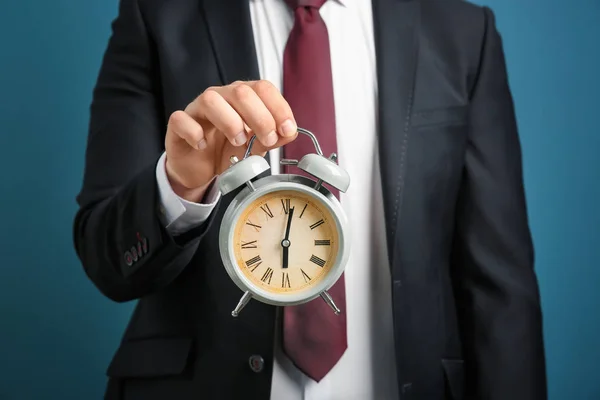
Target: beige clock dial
280	264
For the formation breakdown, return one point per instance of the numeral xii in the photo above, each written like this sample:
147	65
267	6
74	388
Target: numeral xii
285	203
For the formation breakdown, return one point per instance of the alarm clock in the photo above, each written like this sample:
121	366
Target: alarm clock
284	239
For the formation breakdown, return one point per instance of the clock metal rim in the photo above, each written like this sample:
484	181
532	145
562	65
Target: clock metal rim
275	183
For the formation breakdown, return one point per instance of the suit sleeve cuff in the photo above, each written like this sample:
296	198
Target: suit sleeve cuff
177	214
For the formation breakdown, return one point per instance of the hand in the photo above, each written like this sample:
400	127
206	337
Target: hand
217	125
285	243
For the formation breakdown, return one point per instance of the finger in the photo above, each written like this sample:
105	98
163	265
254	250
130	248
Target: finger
260	149
184	127
212	107
252	110
277	106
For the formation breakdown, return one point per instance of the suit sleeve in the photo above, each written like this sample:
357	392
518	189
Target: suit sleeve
497	289
118	234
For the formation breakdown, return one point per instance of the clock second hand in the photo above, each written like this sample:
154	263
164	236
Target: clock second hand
285	243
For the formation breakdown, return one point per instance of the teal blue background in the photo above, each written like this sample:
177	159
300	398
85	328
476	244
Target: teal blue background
57	333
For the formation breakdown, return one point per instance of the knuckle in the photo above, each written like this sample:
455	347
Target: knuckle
242	92
278	106
212	88
264	88
209	98
176	118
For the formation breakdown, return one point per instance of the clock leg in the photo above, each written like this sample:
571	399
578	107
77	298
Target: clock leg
241	304
329	300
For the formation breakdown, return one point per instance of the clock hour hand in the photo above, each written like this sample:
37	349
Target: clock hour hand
285	256
285	243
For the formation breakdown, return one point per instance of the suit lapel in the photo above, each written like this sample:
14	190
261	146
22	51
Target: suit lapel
396	24
230	30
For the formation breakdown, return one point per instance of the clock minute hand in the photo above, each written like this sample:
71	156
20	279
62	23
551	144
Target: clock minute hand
285	243
289	224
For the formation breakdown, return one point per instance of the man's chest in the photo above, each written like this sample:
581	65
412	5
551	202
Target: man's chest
382	73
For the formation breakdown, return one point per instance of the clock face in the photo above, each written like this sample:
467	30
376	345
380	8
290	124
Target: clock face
285	242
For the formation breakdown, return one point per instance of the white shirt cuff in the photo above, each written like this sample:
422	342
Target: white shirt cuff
179	215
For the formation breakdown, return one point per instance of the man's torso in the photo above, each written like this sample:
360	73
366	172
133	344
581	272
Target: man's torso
182	341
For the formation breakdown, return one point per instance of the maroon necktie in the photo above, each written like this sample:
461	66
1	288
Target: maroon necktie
314	338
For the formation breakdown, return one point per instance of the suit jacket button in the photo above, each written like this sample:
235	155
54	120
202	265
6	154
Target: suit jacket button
128	258
256	363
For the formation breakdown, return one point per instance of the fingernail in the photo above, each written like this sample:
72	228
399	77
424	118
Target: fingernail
240	139
202	144
288	128
271	139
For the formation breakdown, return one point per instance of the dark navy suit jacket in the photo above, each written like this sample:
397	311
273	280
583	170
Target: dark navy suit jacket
466	306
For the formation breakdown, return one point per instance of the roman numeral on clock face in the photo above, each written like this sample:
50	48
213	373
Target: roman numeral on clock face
317	224
257	227
250	245
302	213
267	210
267	276
322	243
253	260
305	276
253	263
285	280
320	262
285	203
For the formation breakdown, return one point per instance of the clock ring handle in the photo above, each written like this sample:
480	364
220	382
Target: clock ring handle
300	130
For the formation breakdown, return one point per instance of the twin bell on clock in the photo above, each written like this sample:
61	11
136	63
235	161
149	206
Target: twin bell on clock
284	238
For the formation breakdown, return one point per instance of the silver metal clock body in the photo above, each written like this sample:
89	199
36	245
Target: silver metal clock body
245	198
324	170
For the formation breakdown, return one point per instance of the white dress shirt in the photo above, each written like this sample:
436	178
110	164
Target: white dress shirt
367	370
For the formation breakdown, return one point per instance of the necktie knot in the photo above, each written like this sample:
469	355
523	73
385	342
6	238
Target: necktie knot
293	4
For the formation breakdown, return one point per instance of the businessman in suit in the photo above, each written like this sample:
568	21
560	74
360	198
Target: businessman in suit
439	297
